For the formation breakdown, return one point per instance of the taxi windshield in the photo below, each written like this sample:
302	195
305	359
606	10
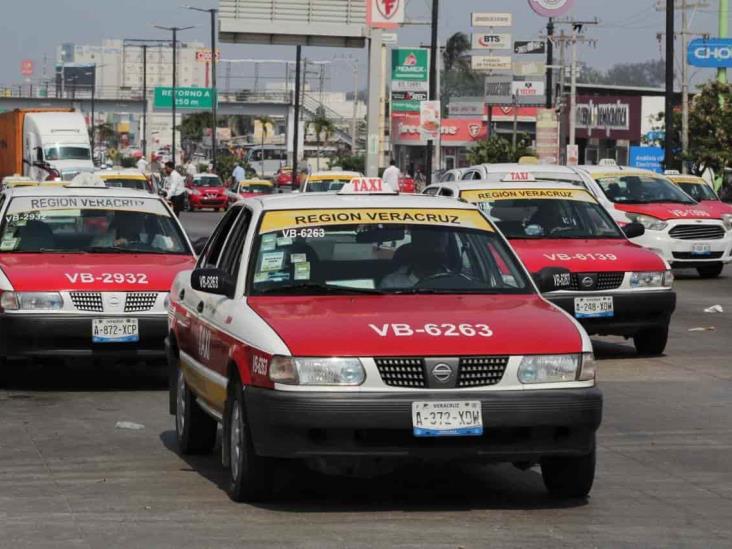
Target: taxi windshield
207	181
551	218
641	189
256	189
458	257
698	191
90	225
127	183
325	185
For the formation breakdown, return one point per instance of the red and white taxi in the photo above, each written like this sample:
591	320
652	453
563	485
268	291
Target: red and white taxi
617	287
701	191
684	232
348	328
85	271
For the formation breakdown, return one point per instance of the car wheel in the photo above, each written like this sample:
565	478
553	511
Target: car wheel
651	341
252	475
710	271
196	430
569	476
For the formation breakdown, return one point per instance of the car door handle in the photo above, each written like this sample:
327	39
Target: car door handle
199	307
182	294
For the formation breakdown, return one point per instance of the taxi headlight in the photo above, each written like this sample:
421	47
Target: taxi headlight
649	222
727	220
31	301
548	368
647	280
316	371
166	301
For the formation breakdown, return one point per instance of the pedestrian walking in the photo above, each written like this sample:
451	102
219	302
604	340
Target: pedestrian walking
391	176
176	188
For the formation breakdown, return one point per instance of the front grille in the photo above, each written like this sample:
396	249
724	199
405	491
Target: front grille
478	371
481	371
605	281
137	302
689	255
402	372
87	301
697	232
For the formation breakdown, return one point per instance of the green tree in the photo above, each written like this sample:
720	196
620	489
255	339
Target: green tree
192	126
457	78
710	128
105	134
264	121
349	163
323	127
497	149
650	73
454	56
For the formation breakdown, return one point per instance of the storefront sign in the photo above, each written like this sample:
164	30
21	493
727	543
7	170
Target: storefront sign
492	19
529	89
491	41
498	89
522	47
490	63
454	132
711	53
505	113
647	158
609	117
551	8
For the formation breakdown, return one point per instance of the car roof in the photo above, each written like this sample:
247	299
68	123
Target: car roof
316	201
60	190
111	174
687	179
599	171
325	175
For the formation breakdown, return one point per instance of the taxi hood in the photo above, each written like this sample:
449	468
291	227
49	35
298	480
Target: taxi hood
582	256
668	210
399	325
93	272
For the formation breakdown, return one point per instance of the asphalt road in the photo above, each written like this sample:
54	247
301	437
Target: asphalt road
70	478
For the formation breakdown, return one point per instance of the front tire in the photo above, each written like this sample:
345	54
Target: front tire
252	476
194	428
710	271
651	341
569	476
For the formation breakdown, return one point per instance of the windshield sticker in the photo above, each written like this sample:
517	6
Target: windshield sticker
302	271
8	244
272	261
490	195
279	276
269	242
298	258
292	222
284	241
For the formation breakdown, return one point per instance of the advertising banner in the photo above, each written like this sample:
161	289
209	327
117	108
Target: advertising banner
429	119
491	20
710	53
523	47
491	41
454	132
491	63
647	158
547	136
609	117
498	89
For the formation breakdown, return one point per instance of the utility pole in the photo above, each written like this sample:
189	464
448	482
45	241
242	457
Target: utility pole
144	101
549	62
684	84
573	93
723	28
669	107
434	52
374	107
296	115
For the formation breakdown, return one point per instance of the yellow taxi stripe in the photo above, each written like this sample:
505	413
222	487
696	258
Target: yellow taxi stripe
488	195
295	219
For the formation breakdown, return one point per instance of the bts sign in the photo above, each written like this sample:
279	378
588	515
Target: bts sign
713	53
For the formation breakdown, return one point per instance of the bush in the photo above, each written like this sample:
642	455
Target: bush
498	149
349	163
128	162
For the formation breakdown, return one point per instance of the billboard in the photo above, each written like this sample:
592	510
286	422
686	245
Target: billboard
498	89
647	158
454	132
336	23
409	78
609	117
713	53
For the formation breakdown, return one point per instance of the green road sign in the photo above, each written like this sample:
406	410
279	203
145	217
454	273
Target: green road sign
185	98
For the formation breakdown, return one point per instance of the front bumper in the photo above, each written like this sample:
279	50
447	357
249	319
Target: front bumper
680	253
518	425
69	336
633	311
218	202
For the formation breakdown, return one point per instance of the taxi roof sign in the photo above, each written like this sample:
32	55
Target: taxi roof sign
608	163
519	177
671	172
366	185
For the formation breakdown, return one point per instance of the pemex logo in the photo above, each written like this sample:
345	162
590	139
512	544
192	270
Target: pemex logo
410	60
387	8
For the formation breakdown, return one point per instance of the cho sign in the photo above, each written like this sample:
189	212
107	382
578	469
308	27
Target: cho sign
491	41
551	8
712	53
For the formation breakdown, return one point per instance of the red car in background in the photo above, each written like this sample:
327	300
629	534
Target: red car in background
206	191
283	178
407	184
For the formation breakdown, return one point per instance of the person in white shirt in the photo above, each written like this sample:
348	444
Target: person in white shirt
176	188
191	169
391	176
238	174
142	165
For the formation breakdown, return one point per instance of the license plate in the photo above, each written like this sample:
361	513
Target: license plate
594	307
115	330
701	249
447	419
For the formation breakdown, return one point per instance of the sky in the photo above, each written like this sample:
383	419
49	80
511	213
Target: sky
33	28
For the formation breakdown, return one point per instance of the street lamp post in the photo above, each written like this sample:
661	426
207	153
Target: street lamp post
175	31
213	12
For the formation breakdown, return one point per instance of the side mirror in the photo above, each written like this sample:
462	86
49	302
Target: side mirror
199	244
212	281
552	279
634	230
39	154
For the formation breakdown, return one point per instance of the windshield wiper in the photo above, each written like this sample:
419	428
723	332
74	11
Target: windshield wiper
316	288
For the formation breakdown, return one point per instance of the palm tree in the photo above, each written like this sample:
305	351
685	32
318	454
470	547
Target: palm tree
265	121
322	126
455	55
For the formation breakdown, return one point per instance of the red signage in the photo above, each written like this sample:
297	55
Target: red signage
453	131
26	67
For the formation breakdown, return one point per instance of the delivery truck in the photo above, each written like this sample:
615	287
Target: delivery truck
44	144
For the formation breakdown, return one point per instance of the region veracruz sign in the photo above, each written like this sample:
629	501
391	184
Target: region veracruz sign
712	53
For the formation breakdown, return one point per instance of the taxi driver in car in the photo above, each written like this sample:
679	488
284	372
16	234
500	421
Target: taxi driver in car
424	257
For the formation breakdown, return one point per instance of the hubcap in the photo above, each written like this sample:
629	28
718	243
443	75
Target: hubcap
235	440
180	408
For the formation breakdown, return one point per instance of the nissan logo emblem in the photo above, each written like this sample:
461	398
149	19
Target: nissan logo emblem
442	372
114	300
587	282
